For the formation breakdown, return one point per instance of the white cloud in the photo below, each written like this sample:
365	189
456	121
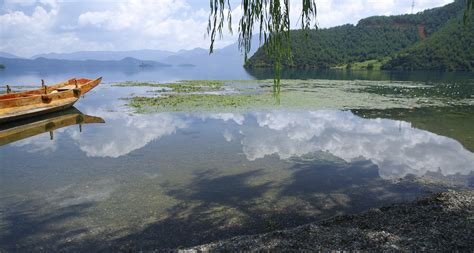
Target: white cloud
164	24
29	34
134	14
9	3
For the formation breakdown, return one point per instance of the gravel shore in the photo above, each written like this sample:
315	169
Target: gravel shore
440	222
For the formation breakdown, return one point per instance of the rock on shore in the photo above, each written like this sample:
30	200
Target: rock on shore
441	222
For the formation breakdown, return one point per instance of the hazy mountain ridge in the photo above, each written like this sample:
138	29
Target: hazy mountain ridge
8	55
44	63
145	54
228	56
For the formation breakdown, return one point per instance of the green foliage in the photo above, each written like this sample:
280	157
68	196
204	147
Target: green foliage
2	66
340	45
368	65
469	8
273	20
449	49
374	38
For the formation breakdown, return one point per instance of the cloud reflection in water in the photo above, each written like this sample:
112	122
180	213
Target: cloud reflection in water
126	133
394	146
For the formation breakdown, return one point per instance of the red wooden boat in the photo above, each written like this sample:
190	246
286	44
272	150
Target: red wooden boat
47	99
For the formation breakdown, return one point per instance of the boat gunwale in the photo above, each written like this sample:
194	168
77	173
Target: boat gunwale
49	89
25	99
22	107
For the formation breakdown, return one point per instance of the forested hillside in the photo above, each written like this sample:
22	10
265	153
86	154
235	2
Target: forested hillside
373	38
449	49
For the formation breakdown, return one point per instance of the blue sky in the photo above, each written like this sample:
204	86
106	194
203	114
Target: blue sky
29	27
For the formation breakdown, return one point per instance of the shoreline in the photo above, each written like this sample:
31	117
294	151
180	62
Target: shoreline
440	222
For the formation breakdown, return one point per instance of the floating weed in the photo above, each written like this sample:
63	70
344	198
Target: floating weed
198	102
455	91
137	84
308	94
185	86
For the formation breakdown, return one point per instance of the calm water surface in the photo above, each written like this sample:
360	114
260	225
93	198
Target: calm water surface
144	181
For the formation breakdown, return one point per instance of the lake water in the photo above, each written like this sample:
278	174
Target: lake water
173	179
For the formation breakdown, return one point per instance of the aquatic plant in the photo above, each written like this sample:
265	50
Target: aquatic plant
452	91
309	94
180	86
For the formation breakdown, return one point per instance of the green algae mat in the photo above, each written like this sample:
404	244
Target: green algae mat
245	95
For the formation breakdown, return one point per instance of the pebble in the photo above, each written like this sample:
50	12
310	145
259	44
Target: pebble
402	227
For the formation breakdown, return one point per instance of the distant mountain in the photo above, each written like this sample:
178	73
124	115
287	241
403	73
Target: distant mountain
229	55
186	65
376	39
7	55
194	57
46	64
192	52
147	55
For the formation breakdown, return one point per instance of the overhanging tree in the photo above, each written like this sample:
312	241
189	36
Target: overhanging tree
271	17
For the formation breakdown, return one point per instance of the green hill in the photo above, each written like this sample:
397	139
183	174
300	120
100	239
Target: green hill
449	49
373	40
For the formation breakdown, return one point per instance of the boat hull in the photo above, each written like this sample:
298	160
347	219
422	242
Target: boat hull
26	104
31	111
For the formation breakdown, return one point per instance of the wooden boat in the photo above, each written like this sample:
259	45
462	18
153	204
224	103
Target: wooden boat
18	105
22	129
